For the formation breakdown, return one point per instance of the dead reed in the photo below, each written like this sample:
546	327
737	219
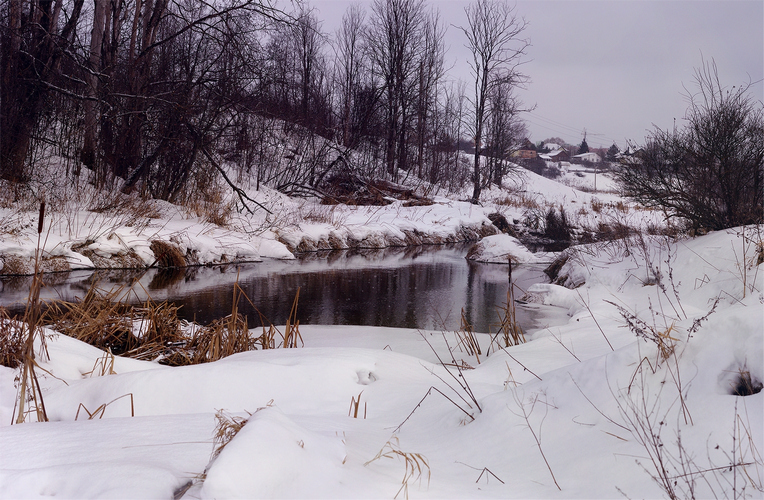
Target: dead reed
466	339
100	319
30	401
99	412
509	328
152	331
355	404
292	330
416	464
12	341
226	428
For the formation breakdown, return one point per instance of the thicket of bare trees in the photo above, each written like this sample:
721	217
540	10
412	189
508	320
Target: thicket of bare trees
710	171
156	92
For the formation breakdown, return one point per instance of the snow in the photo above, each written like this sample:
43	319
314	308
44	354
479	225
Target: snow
500	248
569	391
570	413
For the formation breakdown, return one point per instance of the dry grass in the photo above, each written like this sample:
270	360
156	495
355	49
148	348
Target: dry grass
130	209
103	366
99	319
106	321
416	464
519	200
355	404
745	384
222	338
661	337
509	328
14	265
167	254
11	341
292	331
99	412
150	331
614	231
226	428
465	339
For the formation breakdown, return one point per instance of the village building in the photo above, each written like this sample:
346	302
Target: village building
587	158
560	154
526	151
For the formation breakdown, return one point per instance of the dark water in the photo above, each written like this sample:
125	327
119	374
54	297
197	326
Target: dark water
423	287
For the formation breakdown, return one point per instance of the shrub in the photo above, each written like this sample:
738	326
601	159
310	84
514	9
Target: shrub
557	226
711	171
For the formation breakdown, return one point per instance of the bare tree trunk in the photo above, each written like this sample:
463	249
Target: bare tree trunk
87	155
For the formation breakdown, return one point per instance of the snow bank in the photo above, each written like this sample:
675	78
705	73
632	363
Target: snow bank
499	249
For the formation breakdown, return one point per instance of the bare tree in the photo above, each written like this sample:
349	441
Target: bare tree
308	41
430	71
348	67
188	68
395	37
710	171
493	37
34	37
505	130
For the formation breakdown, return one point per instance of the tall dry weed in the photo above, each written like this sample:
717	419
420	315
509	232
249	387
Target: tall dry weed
30	401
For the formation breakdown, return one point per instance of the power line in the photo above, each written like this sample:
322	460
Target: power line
563	129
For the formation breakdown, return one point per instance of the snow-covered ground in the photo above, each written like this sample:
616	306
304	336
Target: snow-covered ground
634	389
582	410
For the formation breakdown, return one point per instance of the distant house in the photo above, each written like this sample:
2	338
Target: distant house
632	156
560	154
524	154
587	158
526	151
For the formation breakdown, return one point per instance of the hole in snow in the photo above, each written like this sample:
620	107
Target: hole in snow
365	377
745	385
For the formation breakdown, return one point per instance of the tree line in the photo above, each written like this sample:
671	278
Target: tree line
156	93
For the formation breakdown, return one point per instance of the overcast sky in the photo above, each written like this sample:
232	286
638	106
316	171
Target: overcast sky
614	68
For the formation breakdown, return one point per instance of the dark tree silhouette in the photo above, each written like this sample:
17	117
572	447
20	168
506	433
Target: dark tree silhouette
710	171
584	147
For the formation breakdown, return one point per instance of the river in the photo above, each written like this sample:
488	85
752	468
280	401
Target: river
414	287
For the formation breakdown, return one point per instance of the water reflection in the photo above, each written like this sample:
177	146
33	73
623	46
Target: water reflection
421	287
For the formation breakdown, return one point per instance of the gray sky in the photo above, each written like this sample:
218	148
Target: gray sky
617	67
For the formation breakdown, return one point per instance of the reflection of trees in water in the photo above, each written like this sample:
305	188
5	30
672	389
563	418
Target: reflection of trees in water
406	296
413	291
167	277
428	296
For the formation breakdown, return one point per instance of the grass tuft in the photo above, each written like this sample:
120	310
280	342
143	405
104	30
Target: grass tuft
745	384
226	428
11	341
416	464
167	254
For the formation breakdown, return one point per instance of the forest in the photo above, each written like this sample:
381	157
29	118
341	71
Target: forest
160	96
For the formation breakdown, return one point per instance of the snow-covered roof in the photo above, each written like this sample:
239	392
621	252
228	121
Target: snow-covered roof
589	155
